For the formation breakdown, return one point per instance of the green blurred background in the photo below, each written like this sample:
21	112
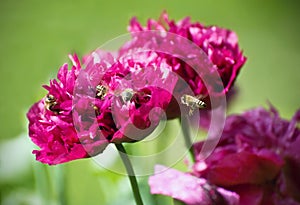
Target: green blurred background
37	35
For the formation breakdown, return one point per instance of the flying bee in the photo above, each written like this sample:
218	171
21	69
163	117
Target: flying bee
101	91
50	103
192	102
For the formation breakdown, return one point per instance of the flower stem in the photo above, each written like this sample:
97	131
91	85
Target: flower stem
187	137
60	183
131	175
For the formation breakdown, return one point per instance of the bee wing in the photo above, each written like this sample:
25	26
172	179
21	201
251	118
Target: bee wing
201	96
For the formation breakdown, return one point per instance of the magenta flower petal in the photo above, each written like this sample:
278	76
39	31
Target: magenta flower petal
243	167
250	194
187	188
60	155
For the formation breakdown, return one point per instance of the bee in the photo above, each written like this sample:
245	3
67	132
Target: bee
101	91
50	103
192	102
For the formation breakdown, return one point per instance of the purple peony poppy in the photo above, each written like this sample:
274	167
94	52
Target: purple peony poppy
256	162
257	157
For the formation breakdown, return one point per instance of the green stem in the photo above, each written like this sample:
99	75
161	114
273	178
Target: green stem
131	175
60	183
187	137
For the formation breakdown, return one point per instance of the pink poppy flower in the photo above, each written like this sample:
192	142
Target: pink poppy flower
220	45
75	120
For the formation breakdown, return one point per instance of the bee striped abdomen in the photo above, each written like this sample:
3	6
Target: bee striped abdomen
192	102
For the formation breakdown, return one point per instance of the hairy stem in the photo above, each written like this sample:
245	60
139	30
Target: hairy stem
131	175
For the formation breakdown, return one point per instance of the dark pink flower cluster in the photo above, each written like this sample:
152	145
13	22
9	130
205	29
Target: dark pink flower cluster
257	158
122	98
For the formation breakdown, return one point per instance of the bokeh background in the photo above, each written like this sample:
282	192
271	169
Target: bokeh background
37	35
